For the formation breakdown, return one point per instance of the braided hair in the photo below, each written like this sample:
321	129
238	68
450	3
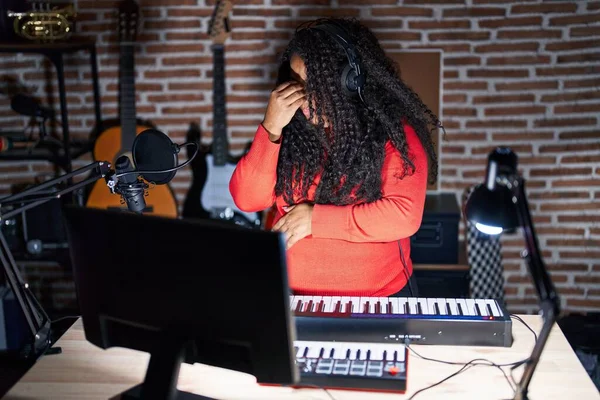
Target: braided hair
349	158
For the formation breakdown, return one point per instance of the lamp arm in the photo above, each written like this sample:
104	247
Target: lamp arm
549	300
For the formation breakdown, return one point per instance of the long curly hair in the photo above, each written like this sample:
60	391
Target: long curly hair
349	158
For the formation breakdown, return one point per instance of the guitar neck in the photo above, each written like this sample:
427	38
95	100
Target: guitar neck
127	96
220	145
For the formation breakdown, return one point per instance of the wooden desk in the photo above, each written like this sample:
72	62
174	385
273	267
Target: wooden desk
84	371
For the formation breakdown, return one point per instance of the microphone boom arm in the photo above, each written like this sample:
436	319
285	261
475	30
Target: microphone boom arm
38	322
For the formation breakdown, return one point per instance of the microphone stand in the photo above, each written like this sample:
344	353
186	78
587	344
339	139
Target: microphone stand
549	300
38	322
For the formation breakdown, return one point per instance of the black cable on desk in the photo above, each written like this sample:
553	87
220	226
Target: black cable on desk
474	362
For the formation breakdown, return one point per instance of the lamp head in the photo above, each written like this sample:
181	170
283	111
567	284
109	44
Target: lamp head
491	205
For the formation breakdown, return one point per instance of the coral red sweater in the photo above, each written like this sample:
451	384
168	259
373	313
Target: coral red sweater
353	250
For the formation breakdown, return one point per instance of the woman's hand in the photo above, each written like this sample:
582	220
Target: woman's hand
296	224
283	103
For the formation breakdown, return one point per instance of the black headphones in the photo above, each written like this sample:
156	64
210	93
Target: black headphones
353	75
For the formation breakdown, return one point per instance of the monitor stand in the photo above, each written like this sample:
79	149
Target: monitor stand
162	374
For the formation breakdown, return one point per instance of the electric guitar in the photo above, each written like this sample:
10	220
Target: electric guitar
117	139
215	197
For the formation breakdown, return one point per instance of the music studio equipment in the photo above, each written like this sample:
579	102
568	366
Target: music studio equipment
38	324
118	137
353	76
349	365
43	22
500	204
215	199
435	321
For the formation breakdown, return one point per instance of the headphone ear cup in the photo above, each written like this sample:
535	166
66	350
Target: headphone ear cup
349	79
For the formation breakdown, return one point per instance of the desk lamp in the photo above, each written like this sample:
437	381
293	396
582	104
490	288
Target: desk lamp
500	204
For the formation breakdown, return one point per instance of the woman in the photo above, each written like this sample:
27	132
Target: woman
346	169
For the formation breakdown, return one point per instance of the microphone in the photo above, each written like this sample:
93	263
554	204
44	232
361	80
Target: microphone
130	187
155	159
27	105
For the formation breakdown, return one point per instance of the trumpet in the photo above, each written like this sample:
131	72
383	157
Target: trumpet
44	23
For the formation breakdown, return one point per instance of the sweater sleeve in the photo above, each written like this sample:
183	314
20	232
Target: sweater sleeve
398	214
252	184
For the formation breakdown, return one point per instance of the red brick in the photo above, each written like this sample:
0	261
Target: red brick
544	8
578	58
401	11
498	73
528	85
569	147
581	159
593	5
446	24
559	231
447	48
335	12
552	71
578	31
523	136
514	21
460	112
470	85
580	108
508	98
452	61
529	34
577	183
466	35
474	12
556	172
571	45
575	19
523	148
568	206
190	12
518	60
455	98
402	36
506	47
565	122
573	96
262	12
516	111
497	124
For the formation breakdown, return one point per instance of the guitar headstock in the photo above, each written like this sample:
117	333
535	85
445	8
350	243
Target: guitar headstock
218	26
129	17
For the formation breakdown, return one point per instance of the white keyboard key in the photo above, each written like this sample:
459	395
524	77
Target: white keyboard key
327	304
395	306
462	303
471	306
482	307
431	307
453	306
496	312
412	304
442	306
376	352
424	306
356	305
314	350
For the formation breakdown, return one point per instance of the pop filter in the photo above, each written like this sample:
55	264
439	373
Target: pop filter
153	151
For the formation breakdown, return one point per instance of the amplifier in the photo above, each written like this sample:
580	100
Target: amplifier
436	241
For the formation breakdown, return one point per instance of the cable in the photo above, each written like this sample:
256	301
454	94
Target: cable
161	171
61	318
475	362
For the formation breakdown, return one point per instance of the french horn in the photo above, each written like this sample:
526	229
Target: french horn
44	23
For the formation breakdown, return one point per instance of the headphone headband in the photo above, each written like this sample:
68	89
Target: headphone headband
353	77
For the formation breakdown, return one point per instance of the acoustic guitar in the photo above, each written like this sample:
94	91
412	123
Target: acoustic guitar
117	140
215	166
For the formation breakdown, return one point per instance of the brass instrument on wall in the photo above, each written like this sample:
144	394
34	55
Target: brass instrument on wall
45	23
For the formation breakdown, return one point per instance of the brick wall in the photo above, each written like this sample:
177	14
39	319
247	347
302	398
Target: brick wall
522	73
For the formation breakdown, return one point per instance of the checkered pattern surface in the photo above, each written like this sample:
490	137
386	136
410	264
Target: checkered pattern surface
484	255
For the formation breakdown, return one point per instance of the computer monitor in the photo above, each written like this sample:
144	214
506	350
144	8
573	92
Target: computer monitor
189	291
